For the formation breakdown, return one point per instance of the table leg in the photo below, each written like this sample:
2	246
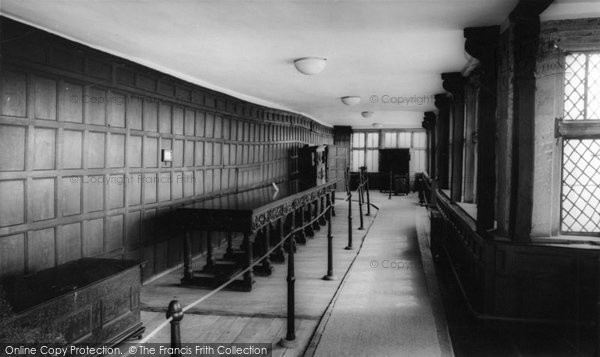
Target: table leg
309	228
278	255
265	269
316	226
248	275
229	252
210	261
188	273
298	221
302	232
323	208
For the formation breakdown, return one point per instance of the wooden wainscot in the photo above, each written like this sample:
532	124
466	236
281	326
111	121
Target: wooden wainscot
89	300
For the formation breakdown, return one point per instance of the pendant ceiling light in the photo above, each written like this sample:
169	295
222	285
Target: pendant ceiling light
310	65
366	114
351	100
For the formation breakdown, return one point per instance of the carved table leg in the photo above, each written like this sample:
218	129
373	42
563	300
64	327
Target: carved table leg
316	226
323	208
278	255
298	222
188	273
248	275
257	245
210	261
289	219
302	232
266	268
309	228
229	252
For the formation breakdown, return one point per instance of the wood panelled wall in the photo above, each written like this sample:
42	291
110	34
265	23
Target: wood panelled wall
81	134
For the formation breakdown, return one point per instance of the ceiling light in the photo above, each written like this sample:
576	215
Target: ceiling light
377	125
366	114
351	100
310	65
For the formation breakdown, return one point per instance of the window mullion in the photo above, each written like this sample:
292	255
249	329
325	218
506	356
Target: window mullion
585	87
580	129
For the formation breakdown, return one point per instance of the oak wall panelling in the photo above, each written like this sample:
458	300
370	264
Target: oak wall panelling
81	134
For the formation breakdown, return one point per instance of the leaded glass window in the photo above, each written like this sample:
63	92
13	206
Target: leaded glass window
581	186
365	151
580	201
582	86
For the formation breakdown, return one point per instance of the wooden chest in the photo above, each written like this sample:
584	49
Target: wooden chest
89	300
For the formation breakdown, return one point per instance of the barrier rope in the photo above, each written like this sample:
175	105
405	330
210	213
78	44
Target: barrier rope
238	275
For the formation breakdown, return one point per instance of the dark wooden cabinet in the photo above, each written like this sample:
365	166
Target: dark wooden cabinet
89	300
312	166
397	162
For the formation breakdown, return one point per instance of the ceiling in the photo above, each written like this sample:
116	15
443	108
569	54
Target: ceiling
571	9
390	53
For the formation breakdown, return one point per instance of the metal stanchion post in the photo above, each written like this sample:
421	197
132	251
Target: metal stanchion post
290	338
349	247
176	312
329	275
323	209
368	196
362	184
360	202
333	203
367	189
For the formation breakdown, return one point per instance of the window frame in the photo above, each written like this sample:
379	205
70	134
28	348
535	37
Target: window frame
573	129
381	142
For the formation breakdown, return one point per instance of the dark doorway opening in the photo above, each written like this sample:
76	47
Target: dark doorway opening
396	162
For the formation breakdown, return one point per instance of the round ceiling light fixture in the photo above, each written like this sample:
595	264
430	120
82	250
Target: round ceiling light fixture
351	100
367	114
377	125
310	65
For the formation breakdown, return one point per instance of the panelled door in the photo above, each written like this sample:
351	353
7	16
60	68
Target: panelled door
338	161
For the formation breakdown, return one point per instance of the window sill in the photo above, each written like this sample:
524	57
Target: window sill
581	242
469	208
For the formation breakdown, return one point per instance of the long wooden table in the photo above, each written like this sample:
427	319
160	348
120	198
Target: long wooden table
251	213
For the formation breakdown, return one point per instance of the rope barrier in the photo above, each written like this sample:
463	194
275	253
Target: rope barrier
238	275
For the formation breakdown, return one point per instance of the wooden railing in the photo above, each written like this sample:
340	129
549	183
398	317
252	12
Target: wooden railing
464	247
533	282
